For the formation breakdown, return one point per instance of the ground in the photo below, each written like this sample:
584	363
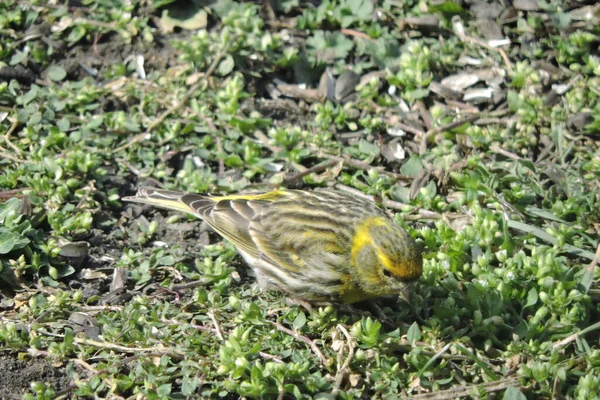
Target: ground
474	124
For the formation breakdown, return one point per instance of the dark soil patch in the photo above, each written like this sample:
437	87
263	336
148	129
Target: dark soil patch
17	375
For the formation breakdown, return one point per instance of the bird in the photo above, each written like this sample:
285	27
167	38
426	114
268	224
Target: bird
321	246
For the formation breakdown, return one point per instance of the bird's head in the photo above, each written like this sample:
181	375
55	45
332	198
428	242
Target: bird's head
385	259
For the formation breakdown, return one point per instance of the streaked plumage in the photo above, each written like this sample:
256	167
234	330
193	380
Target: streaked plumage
323	245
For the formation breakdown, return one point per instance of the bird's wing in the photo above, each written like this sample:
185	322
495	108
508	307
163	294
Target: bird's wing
301	240
230	218
277	227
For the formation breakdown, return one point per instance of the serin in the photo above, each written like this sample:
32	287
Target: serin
320	246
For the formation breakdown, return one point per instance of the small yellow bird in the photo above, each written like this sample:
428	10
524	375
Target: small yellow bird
320	246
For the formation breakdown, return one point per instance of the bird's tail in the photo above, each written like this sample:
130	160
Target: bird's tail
168	199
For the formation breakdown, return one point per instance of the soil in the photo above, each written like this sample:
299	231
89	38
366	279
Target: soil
20	370
17	375
106	246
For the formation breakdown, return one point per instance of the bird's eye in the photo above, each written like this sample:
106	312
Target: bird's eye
387	273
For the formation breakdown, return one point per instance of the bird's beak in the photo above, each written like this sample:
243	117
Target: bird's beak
407	293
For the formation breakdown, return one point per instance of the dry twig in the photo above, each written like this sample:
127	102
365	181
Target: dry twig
216	325
317	168
462	391
343	369
304	339
499	150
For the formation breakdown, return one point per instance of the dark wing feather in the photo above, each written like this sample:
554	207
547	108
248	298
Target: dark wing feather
229	217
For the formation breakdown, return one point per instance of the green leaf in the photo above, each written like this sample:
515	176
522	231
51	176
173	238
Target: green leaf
512	393
355	10
10	241
131	125
189	385
18	58
184	14
56	73
165	260
64	270
76	34
323	45
447	7
30	95
418	94
412	167
538	212
532	298
161	3
226	65
164	389
233	161
94	122
63	124
368	148
528	164
53	272
8	212
414	333
299	321
587	278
